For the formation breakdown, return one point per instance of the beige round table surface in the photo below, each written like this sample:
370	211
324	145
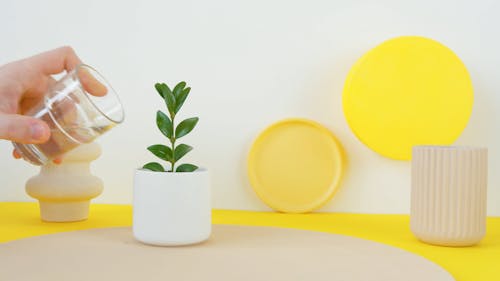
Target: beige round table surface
232	253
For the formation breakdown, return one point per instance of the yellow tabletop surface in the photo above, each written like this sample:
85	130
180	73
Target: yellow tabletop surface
478	263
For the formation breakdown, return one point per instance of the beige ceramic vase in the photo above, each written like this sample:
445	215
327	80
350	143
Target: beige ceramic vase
448	195
64	191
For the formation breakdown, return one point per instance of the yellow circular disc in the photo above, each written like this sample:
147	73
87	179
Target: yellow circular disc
407	91
295	165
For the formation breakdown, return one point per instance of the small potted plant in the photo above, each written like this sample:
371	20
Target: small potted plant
172	204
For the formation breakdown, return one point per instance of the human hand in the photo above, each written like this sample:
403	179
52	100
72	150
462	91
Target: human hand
23	83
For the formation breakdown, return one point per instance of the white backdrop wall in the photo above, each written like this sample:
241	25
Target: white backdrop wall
251	63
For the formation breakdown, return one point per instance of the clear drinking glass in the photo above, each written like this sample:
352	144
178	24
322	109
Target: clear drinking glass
78	108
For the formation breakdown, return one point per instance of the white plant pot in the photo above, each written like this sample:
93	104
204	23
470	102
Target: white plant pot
172	209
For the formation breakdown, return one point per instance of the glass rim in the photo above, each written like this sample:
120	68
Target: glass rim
108	85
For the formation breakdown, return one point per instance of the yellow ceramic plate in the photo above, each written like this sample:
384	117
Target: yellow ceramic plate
295	165
407	91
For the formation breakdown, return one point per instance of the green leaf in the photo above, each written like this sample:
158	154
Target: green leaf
153	166
159	89
169	99
162	88
161	151
185	127
186	168
165	88
164	124
178	89
181	98
181	150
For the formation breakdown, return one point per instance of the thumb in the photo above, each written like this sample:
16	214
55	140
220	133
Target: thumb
23	129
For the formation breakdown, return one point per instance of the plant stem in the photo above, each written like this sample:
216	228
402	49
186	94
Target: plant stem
172	141
173	153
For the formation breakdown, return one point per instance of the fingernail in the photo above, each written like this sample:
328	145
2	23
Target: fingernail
37	131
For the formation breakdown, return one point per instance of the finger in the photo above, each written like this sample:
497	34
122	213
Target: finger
29	76
50	82
41	66
23	129
91	84
54	61
16	154
28	105
30	100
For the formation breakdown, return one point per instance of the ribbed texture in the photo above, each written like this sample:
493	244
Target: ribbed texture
448	195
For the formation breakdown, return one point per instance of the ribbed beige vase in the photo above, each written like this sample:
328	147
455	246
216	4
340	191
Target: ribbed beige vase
448	194
64	191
